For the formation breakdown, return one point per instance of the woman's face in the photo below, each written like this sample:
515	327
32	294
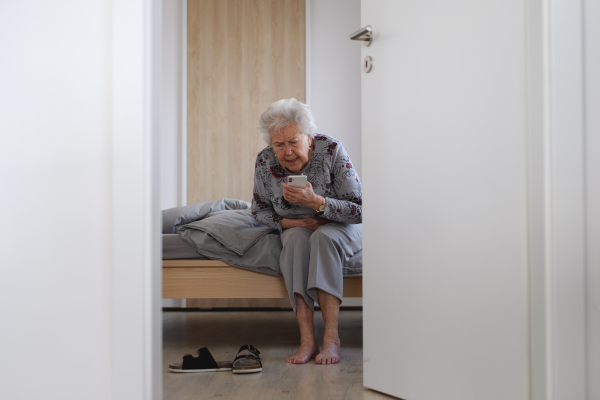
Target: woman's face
291	147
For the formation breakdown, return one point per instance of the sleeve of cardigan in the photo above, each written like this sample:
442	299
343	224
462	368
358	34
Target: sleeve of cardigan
347	207
262	208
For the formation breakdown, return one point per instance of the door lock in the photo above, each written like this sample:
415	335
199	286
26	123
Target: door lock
367	64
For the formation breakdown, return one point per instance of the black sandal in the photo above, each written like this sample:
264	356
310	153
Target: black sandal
247	363
203	363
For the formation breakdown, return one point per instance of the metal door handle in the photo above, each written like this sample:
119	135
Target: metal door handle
365	34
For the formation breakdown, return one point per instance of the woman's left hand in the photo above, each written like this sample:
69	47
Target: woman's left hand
303	197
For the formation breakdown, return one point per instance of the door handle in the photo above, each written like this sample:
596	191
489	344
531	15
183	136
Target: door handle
365	34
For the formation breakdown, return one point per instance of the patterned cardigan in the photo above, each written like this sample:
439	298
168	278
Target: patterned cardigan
331	174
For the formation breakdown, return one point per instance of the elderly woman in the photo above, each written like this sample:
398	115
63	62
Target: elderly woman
320	224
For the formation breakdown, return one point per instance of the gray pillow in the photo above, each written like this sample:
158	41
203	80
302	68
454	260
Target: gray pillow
175	217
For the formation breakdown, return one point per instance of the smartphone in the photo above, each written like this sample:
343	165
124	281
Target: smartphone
298	181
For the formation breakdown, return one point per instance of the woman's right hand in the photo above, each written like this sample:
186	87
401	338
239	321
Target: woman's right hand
314	223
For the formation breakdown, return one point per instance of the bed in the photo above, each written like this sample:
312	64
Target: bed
189	275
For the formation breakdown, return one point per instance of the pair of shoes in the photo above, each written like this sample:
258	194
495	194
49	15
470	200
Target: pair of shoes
243	363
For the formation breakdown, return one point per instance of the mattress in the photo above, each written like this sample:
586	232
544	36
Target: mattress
174	248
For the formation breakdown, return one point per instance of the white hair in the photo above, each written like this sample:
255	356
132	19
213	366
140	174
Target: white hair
283	112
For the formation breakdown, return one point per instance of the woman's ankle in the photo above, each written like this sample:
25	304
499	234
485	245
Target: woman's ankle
331	336
308	342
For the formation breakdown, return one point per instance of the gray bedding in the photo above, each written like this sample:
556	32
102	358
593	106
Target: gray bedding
174	248
175	217
225	230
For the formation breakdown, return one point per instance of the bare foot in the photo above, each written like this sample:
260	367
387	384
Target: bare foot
332	351
304	353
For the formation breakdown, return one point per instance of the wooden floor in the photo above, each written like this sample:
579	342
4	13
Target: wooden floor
275	334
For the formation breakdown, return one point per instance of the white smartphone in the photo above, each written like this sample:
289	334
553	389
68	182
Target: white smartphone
298	181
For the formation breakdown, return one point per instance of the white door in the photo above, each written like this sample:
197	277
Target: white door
444	168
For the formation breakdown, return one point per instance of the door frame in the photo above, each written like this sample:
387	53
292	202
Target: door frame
136	340
556	206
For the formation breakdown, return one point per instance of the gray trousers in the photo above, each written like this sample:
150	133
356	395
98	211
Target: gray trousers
312	260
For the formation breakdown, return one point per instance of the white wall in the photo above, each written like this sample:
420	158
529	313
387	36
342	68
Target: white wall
55	211
335	69
171	103
171	109
79	292
592	128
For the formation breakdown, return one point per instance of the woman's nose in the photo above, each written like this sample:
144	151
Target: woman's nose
288	151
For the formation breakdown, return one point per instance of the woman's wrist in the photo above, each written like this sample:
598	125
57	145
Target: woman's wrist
287	223
317	202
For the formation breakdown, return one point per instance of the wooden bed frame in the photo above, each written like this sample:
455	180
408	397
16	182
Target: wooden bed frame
211	279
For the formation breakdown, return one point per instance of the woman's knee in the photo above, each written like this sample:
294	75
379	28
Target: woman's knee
322	237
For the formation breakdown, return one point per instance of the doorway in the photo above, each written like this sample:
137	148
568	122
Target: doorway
332	89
